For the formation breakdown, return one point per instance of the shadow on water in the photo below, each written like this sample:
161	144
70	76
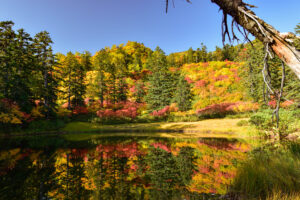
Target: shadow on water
118	167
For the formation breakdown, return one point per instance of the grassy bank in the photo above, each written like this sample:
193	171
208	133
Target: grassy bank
271	172
211	127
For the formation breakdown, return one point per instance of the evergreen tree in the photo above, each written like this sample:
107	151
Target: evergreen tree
203	55
101	65
252	76
171	60
217	55
73	89
7	36
183	96
190	55
45	62
84	64
111	79
157	61
161	82
22	67
140	91
253	80
161	89
16	66
121	61
85	60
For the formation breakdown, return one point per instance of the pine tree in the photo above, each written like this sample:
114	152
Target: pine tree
101	65
252	76
45	62
161	82
7	36
292	85
157	61
253	80
203	55
122	74
82	66
228	52
183	96
190	55
16	65
70	81
23	67
140	91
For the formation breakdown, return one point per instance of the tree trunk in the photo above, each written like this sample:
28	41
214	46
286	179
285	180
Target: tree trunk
278	42
46	102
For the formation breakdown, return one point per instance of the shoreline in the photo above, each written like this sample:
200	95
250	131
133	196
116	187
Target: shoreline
204	128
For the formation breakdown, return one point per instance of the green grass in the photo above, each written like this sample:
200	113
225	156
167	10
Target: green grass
289	121
205	128
267	171
224	127
278	195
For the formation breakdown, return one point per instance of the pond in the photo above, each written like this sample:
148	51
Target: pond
93	167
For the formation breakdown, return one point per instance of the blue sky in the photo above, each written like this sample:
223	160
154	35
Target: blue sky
78	25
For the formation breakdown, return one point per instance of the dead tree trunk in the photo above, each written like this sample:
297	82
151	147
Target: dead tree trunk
280	43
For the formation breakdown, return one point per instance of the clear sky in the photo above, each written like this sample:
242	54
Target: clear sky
78	25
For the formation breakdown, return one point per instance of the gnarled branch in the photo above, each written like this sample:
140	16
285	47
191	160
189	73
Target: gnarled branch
247	19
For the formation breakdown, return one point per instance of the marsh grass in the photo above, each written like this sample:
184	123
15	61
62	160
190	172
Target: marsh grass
270	173
278	195
212	127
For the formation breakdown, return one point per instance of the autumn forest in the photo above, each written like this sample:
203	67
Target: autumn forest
131	122
131	82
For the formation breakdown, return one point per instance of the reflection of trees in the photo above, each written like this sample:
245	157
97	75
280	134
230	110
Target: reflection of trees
12	183
70	175
30	178
115	179
95	172
162	173
168	173
75	178
140	181
40	179
108	172
120	169
186	162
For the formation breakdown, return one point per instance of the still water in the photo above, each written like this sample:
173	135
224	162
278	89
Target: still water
91	167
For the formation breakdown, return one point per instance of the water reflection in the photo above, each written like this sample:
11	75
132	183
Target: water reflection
118	168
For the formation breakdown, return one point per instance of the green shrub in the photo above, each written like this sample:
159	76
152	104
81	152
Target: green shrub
289	120
294	148
242	123
82	117
183	118
146	118
111	121
45	125
262	119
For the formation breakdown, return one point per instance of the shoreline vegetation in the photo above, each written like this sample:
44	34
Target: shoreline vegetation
217	128
204	128
257	124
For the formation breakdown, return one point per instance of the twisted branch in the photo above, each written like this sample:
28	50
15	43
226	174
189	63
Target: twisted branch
267	81
278	96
